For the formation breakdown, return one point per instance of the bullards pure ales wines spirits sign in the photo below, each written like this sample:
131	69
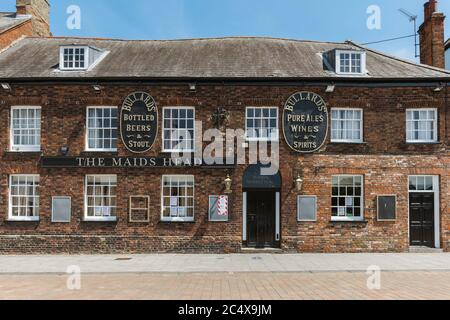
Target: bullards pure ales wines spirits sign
139	122
305	122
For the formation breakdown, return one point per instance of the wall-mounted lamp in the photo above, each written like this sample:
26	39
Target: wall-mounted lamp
97	87
192	86
228	182
6	86
330	88
438	88
298	182
64	150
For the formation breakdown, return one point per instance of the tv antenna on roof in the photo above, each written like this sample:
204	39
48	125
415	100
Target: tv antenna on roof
412	18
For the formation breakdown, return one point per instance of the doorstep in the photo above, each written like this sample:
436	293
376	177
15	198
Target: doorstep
261	250
424	250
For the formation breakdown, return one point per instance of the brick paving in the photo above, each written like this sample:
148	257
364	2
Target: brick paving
223	286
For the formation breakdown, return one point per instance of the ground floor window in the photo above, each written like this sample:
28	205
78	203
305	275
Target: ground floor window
101	197
347	198
24	197
177	198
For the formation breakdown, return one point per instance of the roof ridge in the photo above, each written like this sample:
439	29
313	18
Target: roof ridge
400	59
188	39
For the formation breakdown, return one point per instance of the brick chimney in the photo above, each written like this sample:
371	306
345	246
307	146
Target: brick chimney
431	32
39	10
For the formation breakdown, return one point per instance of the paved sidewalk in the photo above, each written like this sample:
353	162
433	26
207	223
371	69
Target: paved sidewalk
239	263
411	285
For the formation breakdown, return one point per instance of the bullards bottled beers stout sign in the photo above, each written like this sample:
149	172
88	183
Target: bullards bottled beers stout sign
139	122
305	122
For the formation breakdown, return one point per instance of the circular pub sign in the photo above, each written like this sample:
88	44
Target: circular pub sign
305	122
139	122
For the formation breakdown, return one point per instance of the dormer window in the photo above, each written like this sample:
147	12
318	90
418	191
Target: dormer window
350	62
74	58
78	57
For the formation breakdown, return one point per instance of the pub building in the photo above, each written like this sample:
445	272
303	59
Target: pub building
89	127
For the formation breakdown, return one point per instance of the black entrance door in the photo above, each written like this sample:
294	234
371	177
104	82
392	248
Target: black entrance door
261	222
421	207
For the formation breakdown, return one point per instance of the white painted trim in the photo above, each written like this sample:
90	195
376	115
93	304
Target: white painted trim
86	133
363	62
435	125
61	58
23	148
277	218
96	219
192	150
244	216
437	208
277	138
357	219
176	219
361	138
22	218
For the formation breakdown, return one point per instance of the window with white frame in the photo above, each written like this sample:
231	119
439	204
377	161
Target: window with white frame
421	183
177	198
346	125
350	62
179	129
73	58
421	125
24	197
101	198
102	129
347	198
25	129
262	123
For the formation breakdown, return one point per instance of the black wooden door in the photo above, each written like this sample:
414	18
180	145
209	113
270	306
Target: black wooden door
261	219
421	217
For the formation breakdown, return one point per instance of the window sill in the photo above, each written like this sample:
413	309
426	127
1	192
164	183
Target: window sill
349	142
108	220
349	221
23	219
23	152
423	142
100	151
177	221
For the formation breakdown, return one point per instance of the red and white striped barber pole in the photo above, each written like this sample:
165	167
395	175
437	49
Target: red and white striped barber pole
222	206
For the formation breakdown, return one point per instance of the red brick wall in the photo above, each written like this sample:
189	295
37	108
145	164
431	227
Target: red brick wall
384	159
11	35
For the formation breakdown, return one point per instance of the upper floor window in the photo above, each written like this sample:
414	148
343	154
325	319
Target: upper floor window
25	129
24	197
421	125
102	129
178	129
262	123
350	62
347	125
74	58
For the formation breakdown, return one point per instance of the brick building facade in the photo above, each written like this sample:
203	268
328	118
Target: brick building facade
379	183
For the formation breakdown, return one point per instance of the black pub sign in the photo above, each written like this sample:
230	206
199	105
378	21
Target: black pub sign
305	122
139	122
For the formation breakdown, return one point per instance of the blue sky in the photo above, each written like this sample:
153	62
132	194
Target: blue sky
327	20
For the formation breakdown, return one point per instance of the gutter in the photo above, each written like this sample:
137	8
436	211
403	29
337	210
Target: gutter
343	82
